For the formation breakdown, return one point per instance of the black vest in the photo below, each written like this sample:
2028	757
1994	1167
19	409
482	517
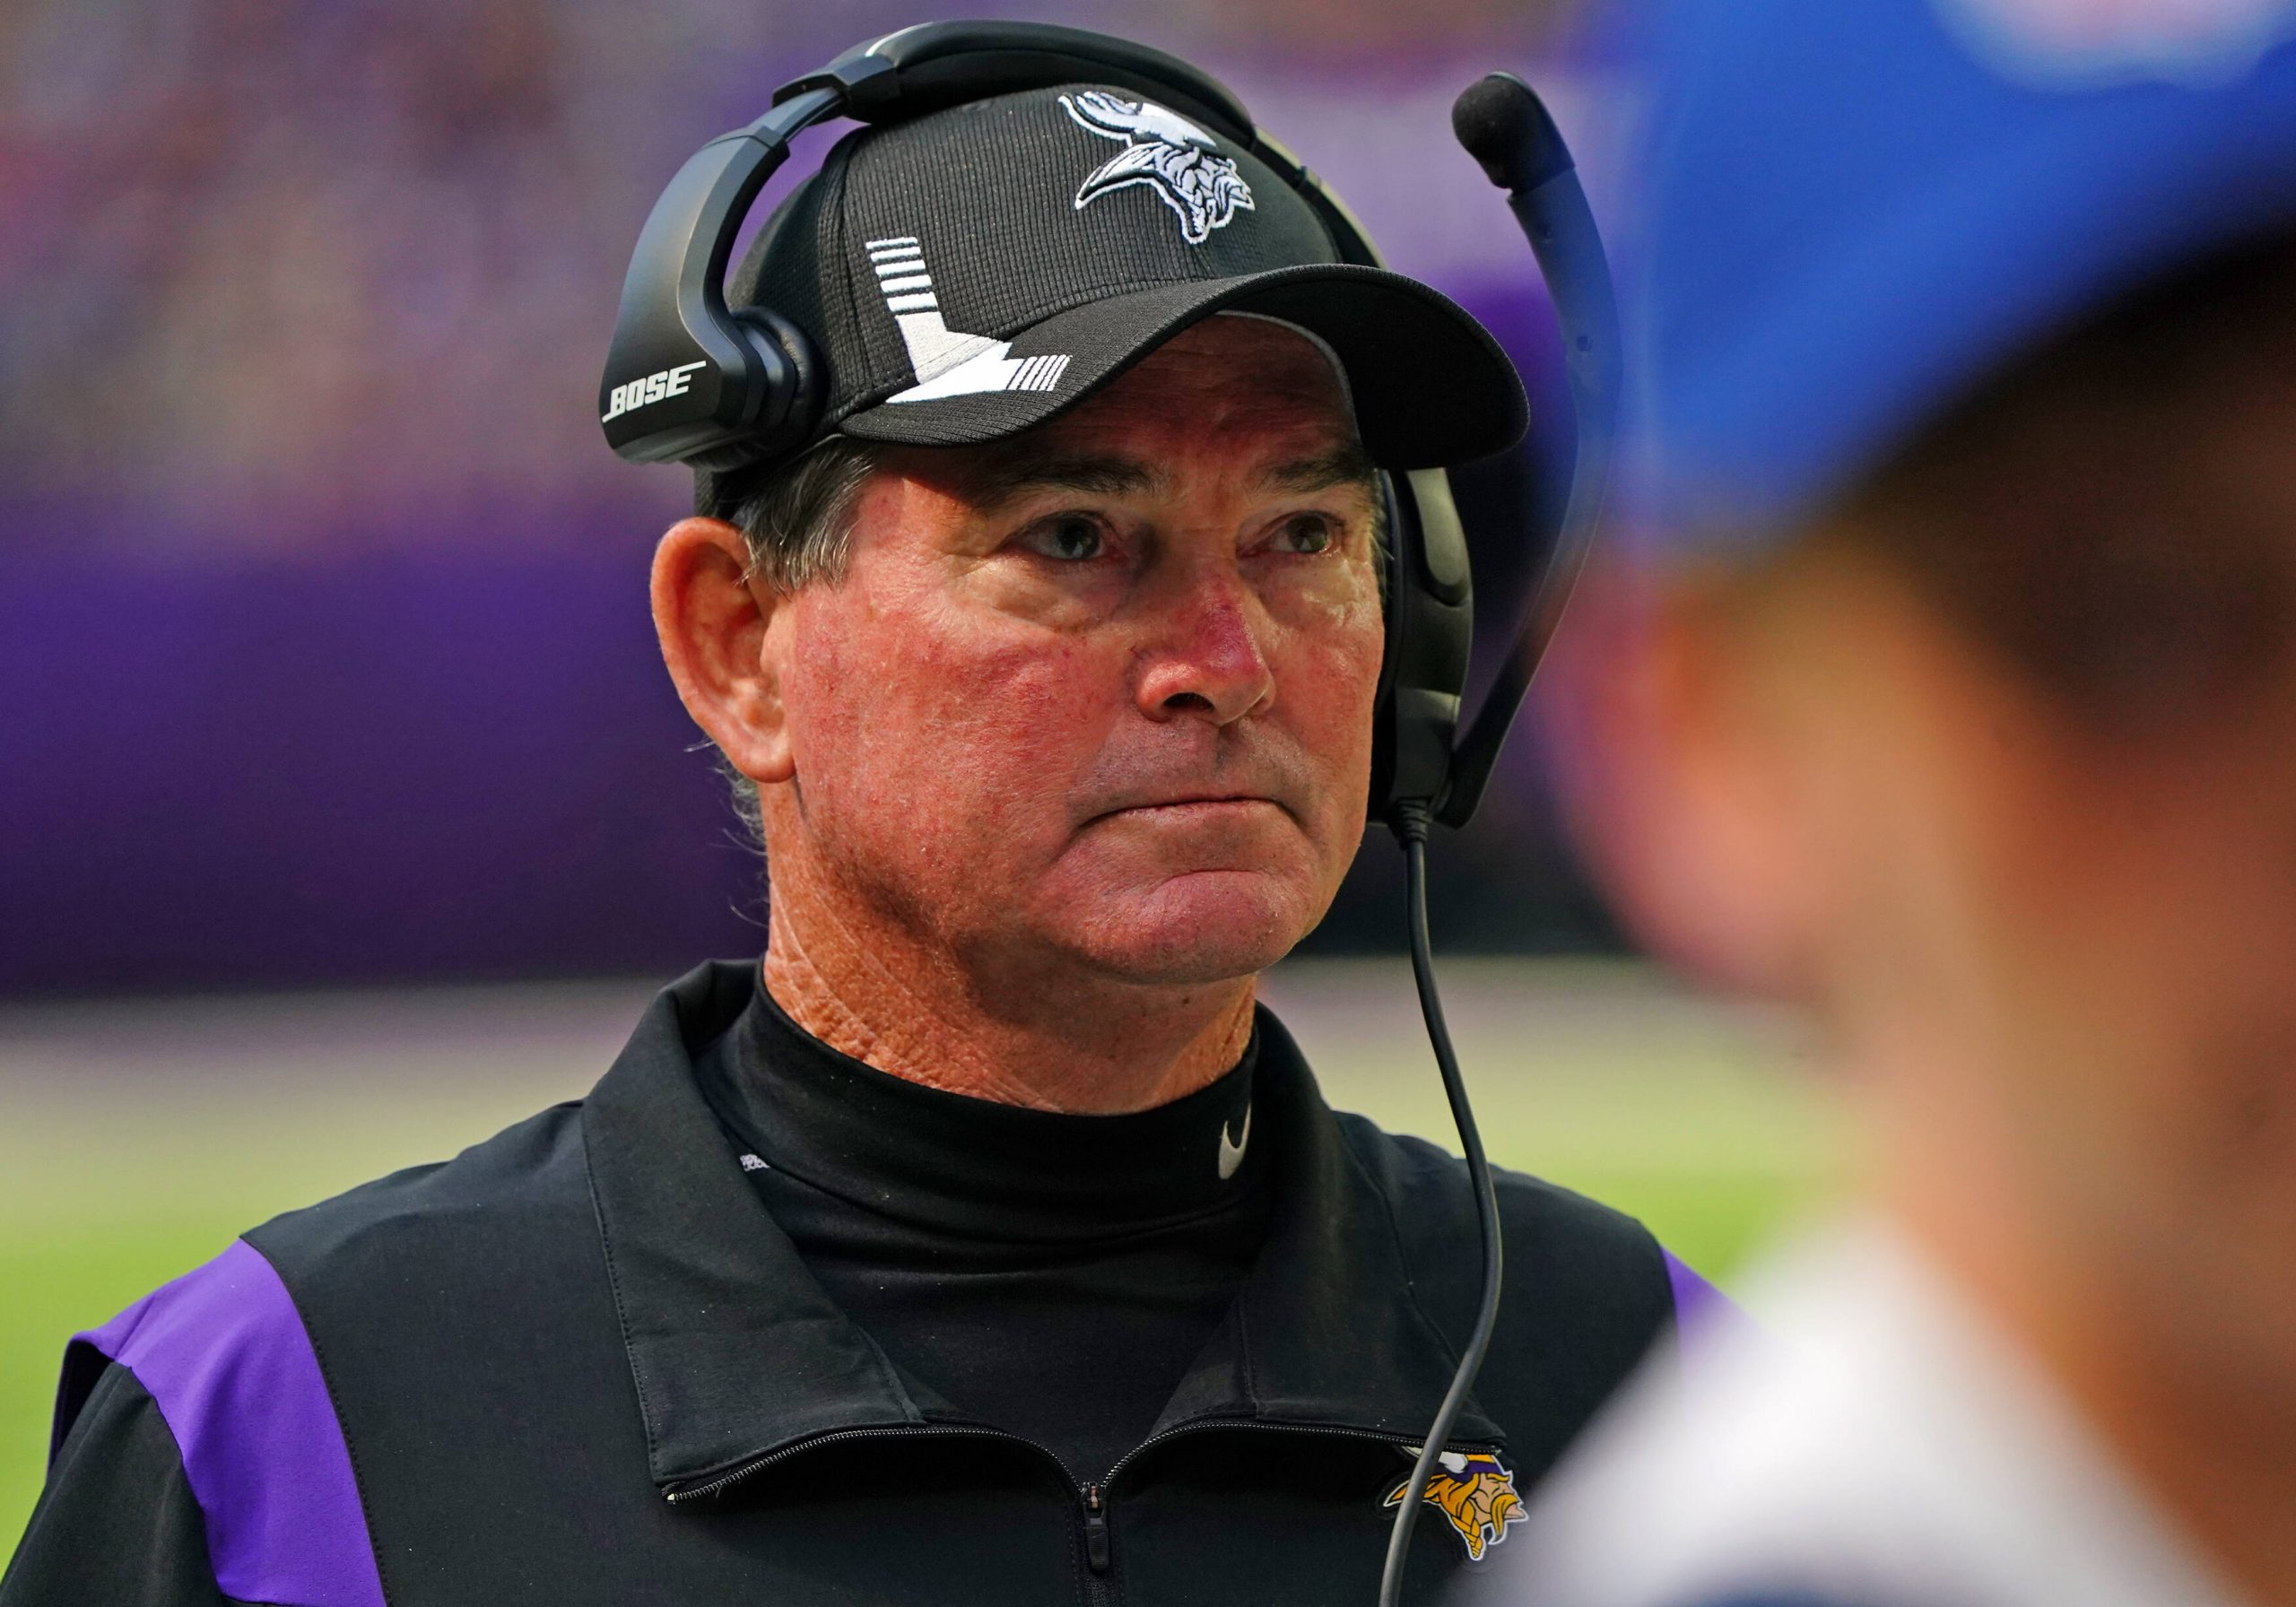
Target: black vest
580	1364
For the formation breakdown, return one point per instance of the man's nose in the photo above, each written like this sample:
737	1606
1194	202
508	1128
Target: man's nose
1209	664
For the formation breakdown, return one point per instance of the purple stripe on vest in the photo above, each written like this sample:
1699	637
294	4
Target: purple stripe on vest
1697	1302
223	1352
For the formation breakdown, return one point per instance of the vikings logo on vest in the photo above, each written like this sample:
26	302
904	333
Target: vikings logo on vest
654	387
1475	1490
1168	153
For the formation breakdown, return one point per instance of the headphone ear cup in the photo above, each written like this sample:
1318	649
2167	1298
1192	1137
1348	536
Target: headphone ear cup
784	389
1394	609
793	399
1390	523
1429	634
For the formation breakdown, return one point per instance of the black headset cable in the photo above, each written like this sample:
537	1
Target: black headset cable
1411	821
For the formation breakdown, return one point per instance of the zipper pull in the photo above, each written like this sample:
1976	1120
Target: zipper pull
1096	1529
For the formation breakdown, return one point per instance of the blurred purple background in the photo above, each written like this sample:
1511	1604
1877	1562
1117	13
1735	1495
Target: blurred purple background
325	656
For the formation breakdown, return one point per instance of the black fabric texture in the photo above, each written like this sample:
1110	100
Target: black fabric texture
992	192
1053	1276
581	1363
1413	359
117	1523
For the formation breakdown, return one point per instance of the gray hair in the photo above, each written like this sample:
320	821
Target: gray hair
797	524
797	520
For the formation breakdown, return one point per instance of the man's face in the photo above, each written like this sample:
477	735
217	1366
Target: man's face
1102	694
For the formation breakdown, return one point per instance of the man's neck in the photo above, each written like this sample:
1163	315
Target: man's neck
1072	1043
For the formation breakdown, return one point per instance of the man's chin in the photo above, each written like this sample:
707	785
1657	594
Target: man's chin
1199	928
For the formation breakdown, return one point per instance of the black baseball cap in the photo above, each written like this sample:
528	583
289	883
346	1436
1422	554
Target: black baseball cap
970	273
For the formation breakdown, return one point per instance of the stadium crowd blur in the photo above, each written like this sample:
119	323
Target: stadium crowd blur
327	657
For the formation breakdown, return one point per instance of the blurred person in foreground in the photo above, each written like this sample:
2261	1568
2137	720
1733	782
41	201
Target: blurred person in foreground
1964	716
987	1243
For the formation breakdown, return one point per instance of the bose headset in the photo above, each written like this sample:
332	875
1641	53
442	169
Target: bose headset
752	389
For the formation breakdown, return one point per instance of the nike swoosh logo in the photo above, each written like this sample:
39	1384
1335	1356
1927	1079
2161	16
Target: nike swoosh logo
1231	1151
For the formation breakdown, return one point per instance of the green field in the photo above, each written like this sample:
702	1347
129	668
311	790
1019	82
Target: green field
136	1139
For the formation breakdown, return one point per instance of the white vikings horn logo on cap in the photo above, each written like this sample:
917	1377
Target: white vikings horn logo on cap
1168	153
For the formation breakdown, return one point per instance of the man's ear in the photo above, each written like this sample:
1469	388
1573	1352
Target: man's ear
1688	804
712	618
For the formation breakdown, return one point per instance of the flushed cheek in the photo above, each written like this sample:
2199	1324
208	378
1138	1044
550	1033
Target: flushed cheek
1341	608
907	729
1037	719
1326	686
1328	639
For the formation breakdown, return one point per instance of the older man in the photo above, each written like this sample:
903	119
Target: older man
988	1243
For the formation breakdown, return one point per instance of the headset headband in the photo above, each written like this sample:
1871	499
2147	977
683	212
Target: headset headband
934	66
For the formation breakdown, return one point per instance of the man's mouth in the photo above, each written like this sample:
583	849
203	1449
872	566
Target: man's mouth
1181	806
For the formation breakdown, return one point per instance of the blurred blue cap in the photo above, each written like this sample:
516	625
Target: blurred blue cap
1857	208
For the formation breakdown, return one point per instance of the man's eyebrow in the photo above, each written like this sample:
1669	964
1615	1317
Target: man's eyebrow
1342	466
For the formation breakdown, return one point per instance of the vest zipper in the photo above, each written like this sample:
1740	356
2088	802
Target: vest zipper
1087	1491
1265	1427
1096	1529
1100	1552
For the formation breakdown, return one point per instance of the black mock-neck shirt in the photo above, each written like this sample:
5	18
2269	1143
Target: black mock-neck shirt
1052	1276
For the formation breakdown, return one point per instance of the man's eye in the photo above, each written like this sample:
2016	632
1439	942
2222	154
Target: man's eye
1070	537
1308	532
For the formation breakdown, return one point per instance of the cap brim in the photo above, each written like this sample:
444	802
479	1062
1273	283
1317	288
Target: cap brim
1429	386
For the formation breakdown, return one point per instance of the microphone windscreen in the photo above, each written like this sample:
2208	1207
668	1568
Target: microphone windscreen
1505	127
